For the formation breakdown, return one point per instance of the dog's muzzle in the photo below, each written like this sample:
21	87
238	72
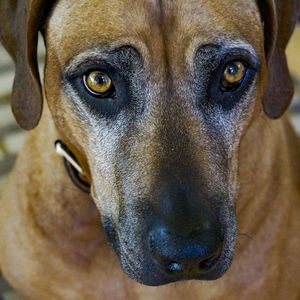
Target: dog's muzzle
174	240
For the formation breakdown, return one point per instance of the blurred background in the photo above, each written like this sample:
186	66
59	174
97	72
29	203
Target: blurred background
12	137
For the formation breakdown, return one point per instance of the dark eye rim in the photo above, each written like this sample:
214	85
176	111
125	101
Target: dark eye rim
228	99
106	106
251	62
109	94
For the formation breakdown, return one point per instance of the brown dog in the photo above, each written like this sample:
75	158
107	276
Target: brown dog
169	108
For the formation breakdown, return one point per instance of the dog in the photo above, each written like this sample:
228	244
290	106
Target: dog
175	160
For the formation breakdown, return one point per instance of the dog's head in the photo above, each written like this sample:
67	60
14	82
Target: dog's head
156	96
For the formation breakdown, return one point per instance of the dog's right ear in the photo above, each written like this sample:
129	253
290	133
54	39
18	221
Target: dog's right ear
19	25
279	17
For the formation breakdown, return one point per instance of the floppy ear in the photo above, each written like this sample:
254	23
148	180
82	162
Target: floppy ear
280	17
19	25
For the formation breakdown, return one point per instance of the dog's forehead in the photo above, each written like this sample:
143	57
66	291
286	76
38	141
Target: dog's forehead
176	24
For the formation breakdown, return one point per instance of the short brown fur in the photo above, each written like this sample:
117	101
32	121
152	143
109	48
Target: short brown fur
52	244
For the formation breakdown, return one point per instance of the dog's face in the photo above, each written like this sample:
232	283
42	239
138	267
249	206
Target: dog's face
156	96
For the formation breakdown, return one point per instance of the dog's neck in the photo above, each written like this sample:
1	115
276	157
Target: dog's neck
66	215
267	165
262	155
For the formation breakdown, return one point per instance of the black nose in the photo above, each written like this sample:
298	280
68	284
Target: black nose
186	236
188	252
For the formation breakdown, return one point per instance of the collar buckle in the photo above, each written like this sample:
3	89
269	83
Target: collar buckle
72	167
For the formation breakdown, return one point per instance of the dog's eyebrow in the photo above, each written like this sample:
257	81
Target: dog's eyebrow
233	43
114	56
225	42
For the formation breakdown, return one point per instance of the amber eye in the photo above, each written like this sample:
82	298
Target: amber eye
98	83
233	75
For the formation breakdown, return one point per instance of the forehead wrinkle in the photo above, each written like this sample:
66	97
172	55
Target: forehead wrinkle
165	15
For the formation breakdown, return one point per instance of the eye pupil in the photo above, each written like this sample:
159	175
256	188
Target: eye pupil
233	75
232	69
98	83
100	79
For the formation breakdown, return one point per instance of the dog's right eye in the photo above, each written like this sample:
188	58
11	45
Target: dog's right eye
100	88
98	84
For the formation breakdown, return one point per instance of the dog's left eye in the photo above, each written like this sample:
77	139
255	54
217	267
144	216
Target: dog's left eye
98	84
231	78
233	75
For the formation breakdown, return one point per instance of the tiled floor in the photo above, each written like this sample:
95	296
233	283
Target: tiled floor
11	137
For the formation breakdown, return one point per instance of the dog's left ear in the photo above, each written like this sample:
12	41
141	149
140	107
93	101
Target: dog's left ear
280	17
19	25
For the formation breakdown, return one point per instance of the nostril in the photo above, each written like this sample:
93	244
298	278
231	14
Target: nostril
180	255
208	263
